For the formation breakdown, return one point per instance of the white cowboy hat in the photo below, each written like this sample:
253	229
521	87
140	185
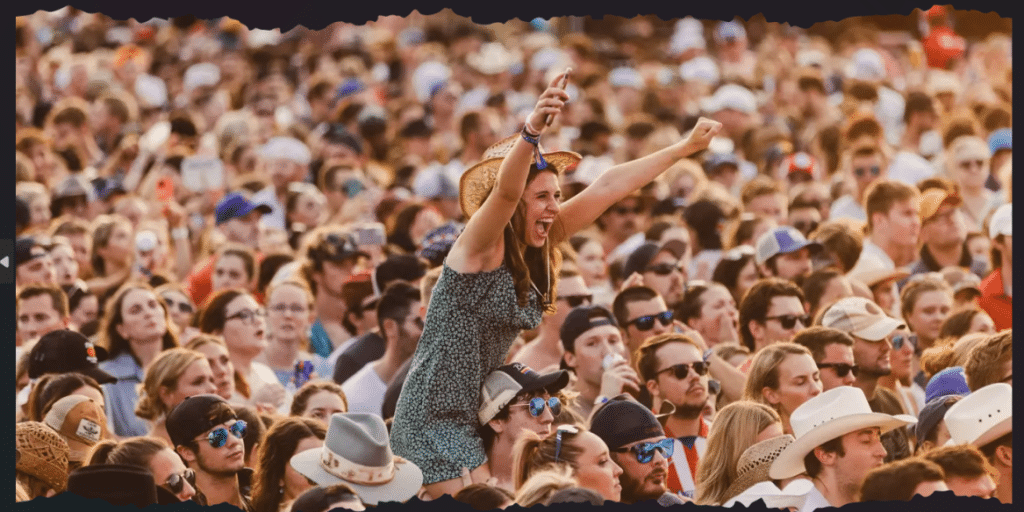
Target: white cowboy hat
793	495
832	414
982	416
357	452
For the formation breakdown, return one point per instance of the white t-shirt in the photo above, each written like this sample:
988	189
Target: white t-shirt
910	168
847	207
365	391
268	197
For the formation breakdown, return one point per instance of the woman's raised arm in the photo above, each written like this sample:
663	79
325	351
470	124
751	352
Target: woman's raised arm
480	247
619	181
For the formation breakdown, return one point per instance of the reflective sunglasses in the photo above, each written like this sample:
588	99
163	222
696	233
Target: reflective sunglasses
562	429
176	482
183	307
900	339
646	323
537	405
664	269
680	371
860	172
841	369
248	316
218	437
645	451
576	301
788	321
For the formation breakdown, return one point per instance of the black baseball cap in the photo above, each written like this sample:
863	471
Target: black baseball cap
642	256
582	319
625	421
66	351
195	416
28	248
116	484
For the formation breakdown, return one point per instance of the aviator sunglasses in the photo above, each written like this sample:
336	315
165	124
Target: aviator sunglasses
645	451
537	405
219	436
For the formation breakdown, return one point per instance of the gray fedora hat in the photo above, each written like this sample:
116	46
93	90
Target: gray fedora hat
357	452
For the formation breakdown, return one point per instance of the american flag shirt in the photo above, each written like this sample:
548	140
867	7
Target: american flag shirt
682	469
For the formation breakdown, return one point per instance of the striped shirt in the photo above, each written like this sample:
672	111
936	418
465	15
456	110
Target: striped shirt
682	469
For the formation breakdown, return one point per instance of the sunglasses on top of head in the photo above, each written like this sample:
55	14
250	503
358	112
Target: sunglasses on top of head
646	323
645	451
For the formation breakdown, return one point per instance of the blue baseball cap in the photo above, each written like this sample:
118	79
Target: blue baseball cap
782	240
1000	139
235	205
951	381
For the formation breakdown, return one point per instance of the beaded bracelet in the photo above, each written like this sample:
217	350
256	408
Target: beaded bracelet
535	140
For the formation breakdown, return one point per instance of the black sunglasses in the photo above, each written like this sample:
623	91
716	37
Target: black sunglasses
805	227
537	405
576	301
842	369
622	210
788	321
183	307
646	323
176	482
680	371
664	269
860	172
645	451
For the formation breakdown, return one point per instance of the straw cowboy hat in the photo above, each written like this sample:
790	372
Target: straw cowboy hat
793	495
357	452
753	464
476	183
982	416
832	414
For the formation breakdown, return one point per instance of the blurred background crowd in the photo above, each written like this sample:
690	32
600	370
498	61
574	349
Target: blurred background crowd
204	208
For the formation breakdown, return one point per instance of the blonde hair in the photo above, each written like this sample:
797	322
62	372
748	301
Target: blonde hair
735	429
544	484
163	372
764	369
533	453
20	494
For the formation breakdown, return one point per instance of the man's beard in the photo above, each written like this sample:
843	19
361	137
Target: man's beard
689	411
634	491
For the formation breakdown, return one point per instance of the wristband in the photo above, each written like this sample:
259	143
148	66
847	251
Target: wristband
179	233
600	400
535	140
707	354
530	130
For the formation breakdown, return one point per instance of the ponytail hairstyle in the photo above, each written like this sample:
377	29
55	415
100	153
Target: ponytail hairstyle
134	451
533	453
163	372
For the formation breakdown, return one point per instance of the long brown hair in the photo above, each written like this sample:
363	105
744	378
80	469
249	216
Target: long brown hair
522	260
275	452
110	339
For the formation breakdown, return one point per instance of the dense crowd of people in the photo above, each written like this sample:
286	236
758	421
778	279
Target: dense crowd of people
537	263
